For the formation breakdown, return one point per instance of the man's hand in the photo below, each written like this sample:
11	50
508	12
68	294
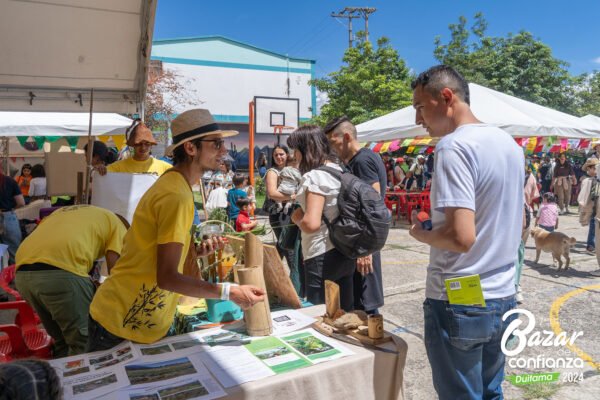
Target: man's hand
101	169
246	296
416	230
297	215
364	265
209	245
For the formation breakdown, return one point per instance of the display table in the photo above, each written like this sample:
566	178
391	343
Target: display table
368	374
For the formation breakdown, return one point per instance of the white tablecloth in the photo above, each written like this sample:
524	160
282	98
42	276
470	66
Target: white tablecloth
368	374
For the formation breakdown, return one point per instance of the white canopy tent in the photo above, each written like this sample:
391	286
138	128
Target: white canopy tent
54	52
14	123
591	120
518	117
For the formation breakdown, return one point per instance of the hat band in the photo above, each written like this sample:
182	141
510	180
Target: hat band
203	129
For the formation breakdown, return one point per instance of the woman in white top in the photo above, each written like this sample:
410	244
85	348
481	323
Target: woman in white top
317	196
37	186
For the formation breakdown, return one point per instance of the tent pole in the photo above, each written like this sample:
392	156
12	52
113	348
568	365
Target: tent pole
90	151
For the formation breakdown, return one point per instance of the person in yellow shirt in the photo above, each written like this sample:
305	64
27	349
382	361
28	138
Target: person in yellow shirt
53	266
137	301
141	162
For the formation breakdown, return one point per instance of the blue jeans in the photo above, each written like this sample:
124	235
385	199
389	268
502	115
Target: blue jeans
10	233
591	240
463	347
99	338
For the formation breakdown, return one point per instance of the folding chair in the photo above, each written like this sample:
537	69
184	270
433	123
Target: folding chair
37	341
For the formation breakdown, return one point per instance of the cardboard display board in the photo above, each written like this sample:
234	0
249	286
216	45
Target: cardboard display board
61	172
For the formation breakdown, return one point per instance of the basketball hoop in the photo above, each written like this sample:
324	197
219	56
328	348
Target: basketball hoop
278	129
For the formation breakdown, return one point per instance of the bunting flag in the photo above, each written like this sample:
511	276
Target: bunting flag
546	148
564	144
584	143
422	149
104	138
406	142
372	145
555	148
519	141
72	140
375	149
551	140
385	147
427	140
395	145
539	148
22	140
52	139
362	144
39	140
410	150
430	149
531	144
573	143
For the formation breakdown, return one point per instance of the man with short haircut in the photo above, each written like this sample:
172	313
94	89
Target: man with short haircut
477	215
368	166
138	300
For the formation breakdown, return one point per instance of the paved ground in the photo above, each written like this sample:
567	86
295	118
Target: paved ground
405	262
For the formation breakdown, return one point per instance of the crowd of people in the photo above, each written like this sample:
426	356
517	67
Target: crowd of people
476	167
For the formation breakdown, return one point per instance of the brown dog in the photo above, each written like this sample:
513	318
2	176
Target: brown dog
556	243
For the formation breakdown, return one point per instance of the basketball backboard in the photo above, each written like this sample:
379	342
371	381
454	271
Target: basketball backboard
273	112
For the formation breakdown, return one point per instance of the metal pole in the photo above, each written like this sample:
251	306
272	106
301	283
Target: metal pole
90	151
251	143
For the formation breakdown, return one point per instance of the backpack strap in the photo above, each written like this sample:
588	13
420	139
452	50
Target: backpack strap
332	171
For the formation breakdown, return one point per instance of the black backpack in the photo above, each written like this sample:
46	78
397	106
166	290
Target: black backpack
364	221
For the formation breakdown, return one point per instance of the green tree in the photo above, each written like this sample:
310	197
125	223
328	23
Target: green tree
373	82
587	89
519	65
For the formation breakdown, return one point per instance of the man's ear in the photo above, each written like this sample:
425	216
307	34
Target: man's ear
448	95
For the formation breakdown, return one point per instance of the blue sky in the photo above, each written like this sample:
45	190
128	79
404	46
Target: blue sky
304	29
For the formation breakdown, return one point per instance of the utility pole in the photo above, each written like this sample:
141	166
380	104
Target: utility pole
342	14
355	12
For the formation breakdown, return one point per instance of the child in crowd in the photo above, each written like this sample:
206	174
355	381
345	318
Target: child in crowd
289	182
234	195
548	213
217	198
243	222
24	180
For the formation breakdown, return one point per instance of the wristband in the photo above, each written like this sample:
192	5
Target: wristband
226	289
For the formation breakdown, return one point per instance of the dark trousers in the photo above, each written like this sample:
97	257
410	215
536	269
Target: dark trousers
333	266
368	289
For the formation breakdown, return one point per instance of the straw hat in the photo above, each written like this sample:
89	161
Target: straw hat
140	133
590	162
194	124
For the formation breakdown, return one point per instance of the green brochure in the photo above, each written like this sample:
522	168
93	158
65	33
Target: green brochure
276	354
465	290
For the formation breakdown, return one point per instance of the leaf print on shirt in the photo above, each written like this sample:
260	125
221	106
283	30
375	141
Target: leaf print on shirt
146	302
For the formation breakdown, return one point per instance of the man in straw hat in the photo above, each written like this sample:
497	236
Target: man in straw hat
137	302
140	138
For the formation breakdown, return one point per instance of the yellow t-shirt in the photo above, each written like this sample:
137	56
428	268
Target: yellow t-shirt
150	166
129	304
71	238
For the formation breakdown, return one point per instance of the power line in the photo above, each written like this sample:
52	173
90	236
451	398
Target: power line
352	13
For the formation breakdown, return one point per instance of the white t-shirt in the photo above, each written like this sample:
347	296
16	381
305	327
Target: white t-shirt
479	167
216	199
37	187
323	183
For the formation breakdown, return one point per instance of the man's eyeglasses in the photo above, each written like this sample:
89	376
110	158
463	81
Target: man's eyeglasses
218	143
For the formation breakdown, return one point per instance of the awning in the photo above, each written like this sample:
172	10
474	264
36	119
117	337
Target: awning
13	123
54	52
518	117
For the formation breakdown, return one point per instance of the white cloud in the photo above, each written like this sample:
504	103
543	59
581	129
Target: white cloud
596	60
